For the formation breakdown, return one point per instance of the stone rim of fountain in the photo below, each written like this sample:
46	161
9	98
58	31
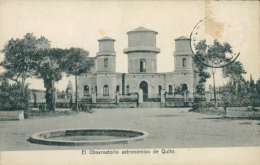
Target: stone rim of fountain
40	138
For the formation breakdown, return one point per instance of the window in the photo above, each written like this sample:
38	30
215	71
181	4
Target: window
183	62
153	64
170	88
117	88
127	89
184	87
86	90
105	63
142	65
105	90
159	88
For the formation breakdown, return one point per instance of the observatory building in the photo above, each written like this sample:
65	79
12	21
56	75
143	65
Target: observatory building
104	83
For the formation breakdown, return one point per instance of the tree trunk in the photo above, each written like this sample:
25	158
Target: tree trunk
76	87
50	95
214	90
53	96
23	82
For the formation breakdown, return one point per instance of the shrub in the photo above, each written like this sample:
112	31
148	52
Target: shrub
12	97
208	105
195	106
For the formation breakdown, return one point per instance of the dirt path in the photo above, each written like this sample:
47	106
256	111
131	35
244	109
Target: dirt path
168	128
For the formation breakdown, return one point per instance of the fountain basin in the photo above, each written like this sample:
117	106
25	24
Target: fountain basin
81	137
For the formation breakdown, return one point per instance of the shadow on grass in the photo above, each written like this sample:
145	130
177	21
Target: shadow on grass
164	116
233	118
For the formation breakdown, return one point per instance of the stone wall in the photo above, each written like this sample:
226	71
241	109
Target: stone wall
11	115
242	112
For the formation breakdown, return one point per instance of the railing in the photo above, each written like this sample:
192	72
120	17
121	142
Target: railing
106	98
152	98
81	106
131	97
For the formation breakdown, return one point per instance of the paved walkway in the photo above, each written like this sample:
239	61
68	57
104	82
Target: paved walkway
168	128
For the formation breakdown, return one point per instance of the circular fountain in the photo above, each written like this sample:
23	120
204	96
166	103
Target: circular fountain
80	137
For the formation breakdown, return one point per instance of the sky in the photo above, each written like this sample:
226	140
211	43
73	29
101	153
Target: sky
80	24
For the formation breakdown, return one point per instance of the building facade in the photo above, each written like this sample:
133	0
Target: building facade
104	83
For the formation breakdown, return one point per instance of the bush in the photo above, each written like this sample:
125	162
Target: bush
195	106
208	105
12	97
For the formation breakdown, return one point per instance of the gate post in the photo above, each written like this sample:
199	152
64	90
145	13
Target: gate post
185	96
94	97
140	96
162	95
117	97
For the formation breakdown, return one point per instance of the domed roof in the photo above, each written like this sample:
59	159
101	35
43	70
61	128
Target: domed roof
141	29
106	39
182	38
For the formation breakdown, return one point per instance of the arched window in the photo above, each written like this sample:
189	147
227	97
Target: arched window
86	90
117	88
127	89
105	90
183	62
184	87
105	63
142	65
159	88
170	88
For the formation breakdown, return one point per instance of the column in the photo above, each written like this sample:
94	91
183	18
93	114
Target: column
162	95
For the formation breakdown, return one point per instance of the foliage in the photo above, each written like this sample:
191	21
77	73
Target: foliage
48	67
212	54
178	90
76	63
11	97
19	56
195	106
242	94
208	105
234	71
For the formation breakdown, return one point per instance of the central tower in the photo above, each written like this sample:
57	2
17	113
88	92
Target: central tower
142	51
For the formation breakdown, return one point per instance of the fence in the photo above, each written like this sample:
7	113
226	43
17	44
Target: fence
152	98
131	97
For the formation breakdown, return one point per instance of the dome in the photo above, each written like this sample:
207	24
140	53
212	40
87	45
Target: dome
141	29
106	39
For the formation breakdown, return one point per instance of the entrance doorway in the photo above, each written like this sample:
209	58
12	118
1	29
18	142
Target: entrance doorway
144	86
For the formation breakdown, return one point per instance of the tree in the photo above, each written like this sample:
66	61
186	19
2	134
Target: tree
19	55
234	72
48	67
214	55
203	74
77	62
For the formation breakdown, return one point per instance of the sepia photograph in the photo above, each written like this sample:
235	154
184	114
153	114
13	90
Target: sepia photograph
124	82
